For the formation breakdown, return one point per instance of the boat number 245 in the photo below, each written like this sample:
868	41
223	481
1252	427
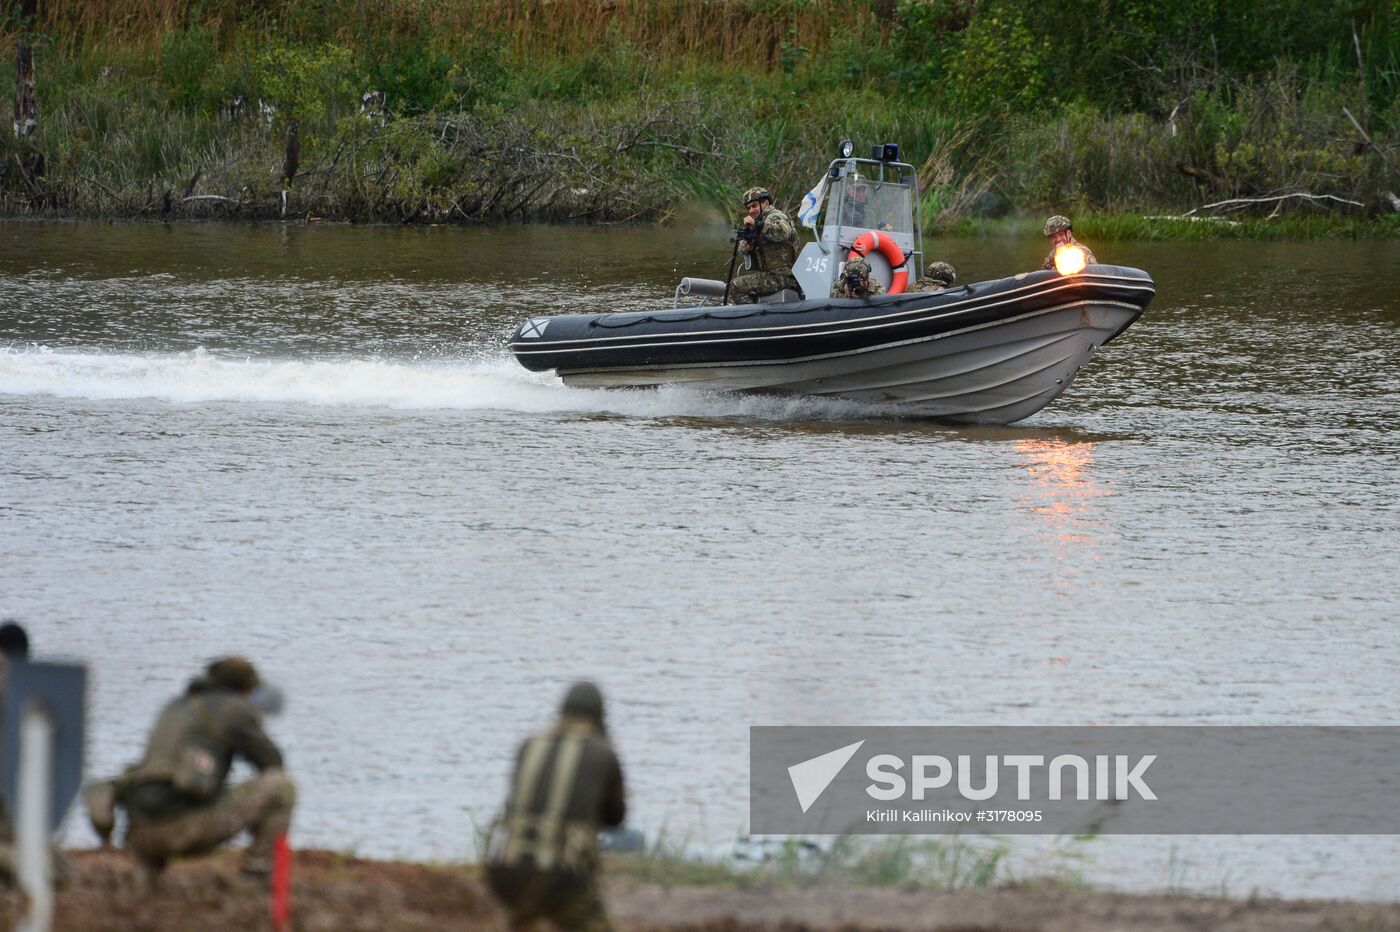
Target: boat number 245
818	263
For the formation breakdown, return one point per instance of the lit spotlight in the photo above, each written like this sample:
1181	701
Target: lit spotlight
1069	259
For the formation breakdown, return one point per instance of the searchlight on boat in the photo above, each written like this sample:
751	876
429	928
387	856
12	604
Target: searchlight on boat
1069	259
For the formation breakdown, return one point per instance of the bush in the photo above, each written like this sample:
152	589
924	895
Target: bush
308	84
625	107
185	59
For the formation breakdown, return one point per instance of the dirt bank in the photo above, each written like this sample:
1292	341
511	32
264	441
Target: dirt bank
334	892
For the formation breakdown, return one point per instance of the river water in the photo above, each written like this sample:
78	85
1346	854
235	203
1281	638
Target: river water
307	444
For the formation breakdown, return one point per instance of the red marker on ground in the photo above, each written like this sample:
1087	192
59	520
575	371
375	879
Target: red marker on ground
281	884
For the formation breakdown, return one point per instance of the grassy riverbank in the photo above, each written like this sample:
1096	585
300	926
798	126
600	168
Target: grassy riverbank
615	110
1096	227
333	891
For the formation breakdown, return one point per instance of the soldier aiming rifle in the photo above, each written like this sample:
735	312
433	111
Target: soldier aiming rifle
769	237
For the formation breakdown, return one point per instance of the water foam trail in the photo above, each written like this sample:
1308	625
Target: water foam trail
488	384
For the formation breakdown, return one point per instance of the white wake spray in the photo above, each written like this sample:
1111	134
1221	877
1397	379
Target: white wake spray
487	384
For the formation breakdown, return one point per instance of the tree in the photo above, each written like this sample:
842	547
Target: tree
26	101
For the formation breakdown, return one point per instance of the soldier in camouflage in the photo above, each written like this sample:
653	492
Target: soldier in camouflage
936	277
773	249
542	855
176	800
1058	229
14	648
855	281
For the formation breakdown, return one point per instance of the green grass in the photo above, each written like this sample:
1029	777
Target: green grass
1107	227
483	129
905	862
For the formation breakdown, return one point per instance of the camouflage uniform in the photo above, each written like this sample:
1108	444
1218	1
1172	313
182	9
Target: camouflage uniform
542	856
1059	224
857	203
176	798
856	267
936	277
773	255
7	838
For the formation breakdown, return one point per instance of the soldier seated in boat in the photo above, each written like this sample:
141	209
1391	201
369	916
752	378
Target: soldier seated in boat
1058	229
936	277
770	238
855	281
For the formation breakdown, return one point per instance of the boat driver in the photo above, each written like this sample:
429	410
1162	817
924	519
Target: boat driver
1058	229
772	243
860	210
855	281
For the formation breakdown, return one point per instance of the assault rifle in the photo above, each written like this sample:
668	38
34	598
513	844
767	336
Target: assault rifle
749	234
745	234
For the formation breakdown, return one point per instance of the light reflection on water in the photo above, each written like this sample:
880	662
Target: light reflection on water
1063	507
307	444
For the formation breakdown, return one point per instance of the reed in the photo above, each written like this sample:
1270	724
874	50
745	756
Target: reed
907	862
644	105
753	34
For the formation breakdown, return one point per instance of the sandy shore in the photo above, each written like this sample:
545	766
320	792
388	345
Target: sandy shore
335	892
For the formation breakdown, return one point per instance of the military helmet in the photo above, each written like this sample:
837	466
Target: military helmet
584	700
857	267
236	673
1057	224
14	642
941	271
756	194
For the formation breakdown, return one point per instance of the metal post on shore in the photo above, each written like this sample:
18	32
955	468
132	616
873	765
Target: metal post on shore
41	768
35	861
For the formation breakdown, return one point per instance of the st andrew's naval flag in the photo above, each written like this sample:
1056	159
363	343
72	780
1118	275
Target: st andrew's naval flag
811	204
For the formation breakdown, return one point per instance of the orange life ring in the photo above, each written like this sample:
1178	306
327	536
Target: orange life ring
899	263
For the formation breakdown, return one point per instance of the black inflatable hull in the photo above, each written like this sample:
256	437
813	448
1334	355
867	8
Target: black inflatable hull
990	352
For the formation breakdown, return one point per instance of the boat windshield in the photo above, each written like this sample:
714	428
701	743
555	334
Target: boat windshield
878	205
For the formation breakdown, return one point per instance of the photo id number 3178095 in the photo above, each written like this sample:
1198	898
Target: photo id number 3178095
1008	815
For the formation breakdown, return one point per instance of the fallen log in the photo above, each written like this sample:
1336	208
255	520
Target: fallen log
1245	201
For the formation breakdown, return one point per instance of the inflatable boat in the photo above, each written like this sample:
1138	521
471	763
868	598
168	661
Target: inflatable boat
991	352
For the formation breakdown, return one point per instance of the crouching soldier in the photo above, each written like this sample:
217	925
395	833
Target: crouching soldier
936	277
542	855
176	801
855	281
